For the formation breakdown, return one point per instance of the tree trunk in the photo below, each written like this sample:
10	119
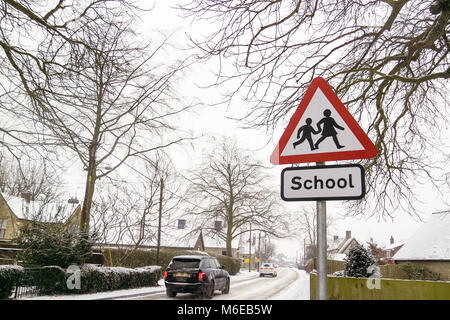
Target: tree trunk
229	235
89	192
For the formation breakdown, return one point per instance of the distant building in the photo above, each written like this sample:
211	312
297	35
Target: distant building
338	248
390	250
185	233
17	211
429	246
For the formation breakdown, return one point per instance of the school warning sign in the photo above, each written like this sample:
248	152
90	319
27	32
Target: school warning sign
322	129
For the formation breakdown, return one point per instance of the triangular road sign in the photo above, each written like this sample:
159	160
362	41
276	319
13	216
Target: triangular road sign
322	129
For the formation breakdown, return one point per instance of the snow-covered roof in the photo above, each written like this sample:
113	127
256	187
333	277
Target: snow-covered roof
345	245
394	245
430	242
337	256
43	210
333	244
172	236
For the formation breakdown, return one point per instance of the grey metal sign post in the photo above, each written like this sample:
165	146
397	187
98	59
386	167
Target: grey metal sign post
322	183
321	211
321	112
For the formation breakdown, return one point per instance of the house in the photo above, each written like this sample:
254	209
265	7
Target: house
184	232
187	232
390	250
16	211
429	246
338	248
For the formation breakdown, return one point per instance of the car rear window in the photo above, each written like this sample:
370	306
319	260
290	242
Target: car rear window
266	265
185	263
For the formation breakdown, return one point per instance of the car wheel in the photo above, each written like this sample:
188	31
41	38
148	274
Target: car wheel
171	294
209	292
226	290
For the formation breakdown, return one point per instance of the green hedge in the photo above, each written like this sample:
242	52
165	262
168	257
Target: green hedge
97	279
148	257
9	276
232	265
54	280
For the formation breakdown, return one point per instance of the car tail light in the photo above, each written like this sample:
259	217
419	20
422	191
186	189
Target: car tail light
165	274
271	269
201	275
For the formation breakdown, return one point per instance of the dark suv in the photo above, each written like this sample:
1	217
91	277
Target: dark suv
196	274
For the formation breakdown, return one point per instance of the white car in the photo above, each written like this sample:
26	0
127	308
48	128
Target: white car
267	269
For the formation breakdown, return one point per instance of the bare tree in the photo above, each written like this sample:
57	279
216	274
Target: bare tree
36	37
304	228
229	188
387	60
33	177
80	76
126	213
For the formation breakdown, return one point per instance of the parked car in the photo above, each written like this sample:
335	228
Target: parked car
267	269
196	274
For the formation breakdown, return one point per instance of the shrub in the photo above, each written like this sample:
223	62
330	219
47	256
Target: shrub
232	265
148	257
415	272
51	244
9	277
97	279
358	262
52	280
141	257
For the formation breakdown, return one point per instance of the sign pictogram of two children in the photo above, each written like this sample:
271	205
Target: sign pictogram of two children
328	130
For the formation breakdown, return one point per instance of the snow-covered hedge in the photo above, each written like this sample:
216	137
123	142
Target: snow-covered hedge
9	276
95	278
54	279
232	265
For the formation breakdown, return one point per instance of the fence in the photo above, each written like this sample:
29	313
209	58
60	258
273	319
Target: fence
332	265
346	288
391	271
29	284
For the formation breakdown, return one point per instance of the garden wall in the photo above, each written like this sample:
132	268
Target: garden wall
346	288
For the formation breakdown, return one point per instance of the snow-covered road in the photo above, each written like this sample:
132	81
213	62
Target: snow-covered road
291	284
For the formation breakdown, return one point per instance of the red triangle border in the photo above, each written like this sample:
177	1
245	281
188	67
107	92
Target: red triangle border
369	150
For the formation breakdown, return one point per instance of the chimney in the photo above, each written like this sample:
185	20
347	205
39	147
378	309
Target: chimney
348	234
335	238
26	195
392	240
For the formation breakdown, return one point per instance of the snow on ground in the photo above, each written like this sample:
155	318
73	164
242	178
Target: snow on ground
298	290
128	293
104	295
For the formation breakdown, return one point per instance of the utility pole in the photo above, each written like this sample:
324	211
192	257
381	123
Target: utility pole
159	219
304	252
250	249
259	250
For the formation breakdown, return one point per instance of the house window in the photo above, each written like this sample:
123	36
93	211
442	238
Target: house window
3	228
181	223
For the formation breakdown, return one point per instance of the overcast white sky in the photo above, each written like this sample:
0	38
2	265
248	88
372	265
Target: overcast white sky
212	121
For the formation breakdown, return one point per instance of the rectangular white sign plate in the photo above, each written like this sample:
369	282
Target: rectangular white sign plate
336	182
